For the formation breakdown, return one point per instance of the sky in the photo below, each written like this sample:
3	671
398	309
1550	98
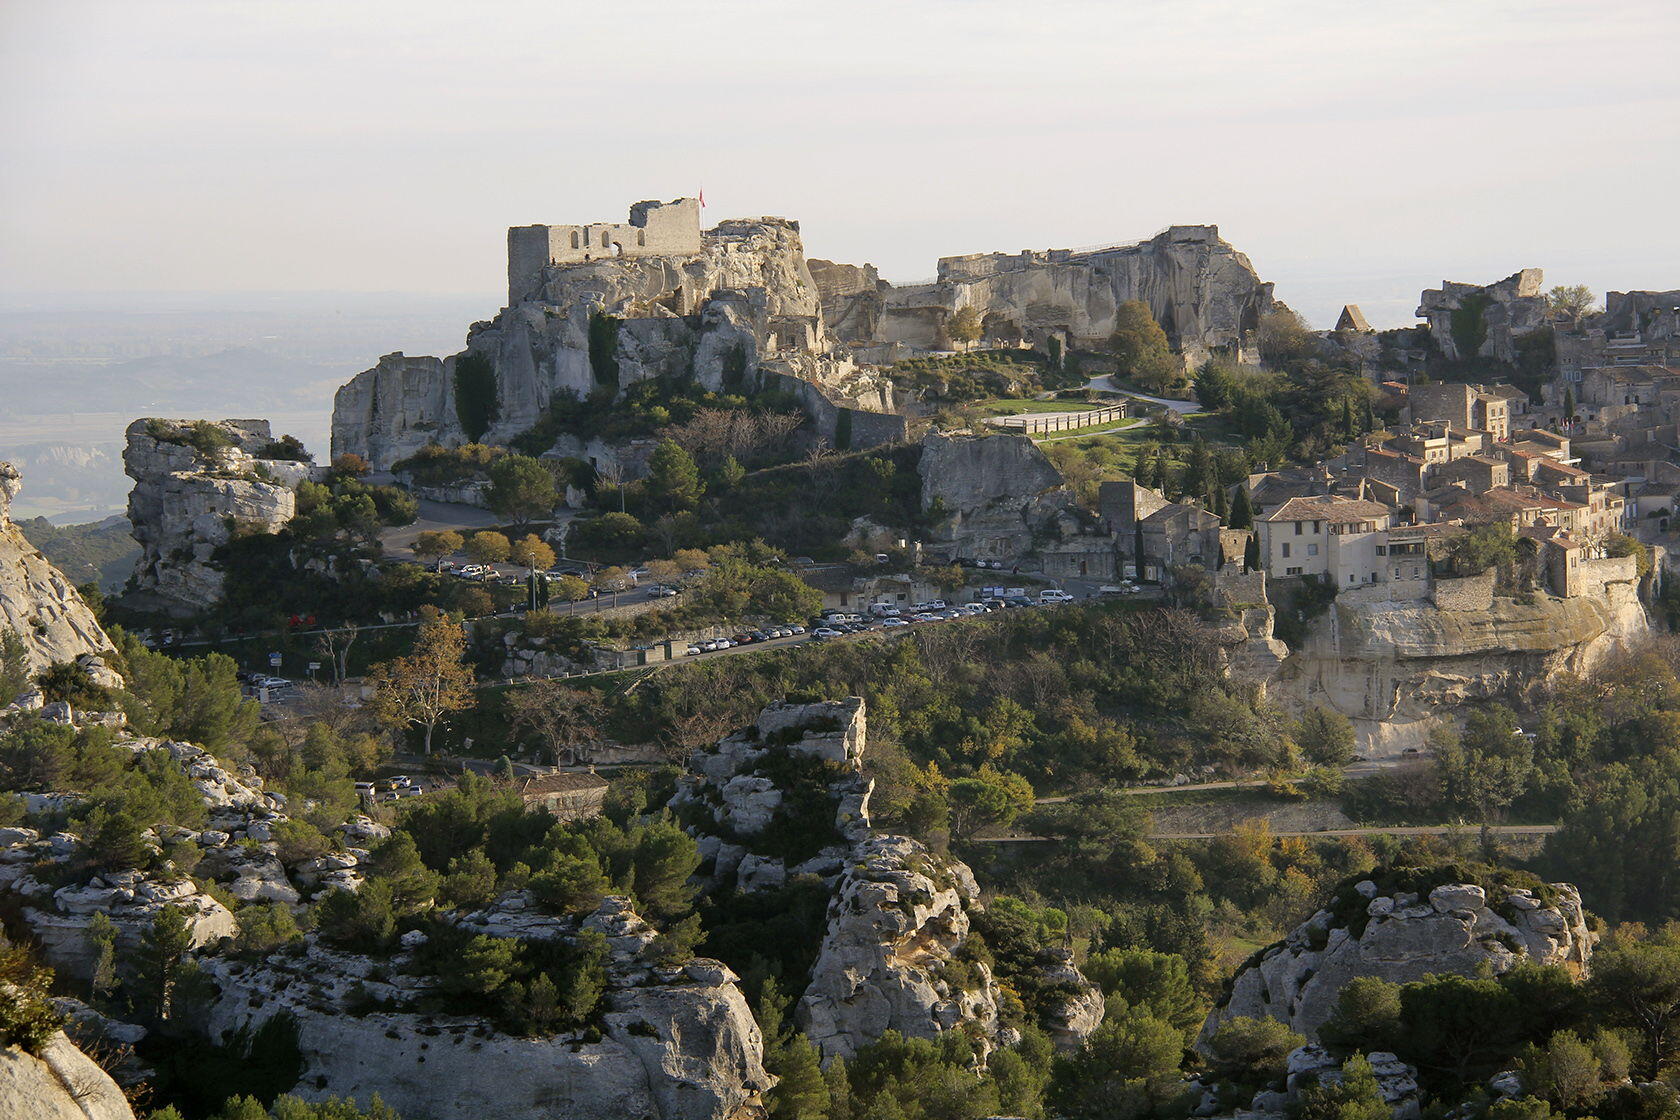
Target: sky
1355	151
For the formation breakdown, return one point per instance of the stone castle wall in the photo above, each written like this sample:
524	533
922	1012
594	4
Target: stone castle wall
655	229
1464	593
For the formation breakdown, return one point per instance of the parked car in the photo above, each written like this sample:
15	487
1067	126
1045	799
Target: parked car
797	629
1054	595
825	632
886	622
692	650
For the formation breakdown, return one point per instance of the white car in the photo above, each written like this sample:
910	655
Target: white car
825	632
886	622
692	650
1053	595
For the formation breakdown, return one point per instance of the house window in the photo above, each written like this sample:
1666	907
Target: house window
1382	550
1286	550
1350	577
1373	577
1297	528
1292	571
1312	550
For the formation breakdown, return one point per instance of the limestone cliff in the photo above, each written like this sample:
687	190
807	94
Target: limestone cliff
1393	667
993	494
62	1083
675	1042
1401	935
1202	291
897	952
196	484
1486	319
37	603
717	316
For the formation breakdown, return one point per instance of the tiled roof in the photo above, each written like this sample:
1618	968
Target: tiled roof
564	781
1328	509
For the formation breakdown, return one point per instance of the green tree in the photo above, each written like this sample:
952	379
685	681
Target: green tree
102	932
1157	983
488	547
1572	300
991	797
801	1093
14	666
1565	1071
1325	736
435	544
522	489
1242	512
965	326
1141	348
673	478
1637	987
1355	1096
1367	1016
1126	1070
161	964
1251	1052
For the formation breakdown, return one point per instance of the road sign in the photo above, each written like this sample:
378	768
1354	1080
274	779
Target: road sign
274	661
314	665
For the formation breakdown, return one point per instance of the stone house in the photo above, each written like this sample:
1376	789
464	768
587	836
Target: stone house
1478	473
1468	407
569	795
1326	536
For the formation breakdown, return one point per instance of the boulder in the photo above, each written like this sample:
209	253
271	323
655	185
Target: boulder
1461	929
188	502
62	1083
897	920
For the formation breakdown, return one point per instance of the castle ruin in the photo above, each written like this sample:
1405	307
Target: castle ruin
655	229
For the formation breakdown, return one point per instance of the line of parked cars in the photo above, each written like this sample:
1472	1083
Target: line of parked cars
258	681
745	638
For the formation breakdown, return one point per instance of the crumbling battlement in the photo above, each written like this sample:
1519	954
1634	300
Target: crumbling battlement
655	229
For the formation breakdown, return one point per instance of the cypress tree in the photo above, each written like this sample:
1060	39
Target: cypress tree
1242	513
1251	553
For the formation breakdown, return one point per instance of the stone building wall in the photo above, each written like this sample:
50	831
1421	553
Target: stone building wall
1464	593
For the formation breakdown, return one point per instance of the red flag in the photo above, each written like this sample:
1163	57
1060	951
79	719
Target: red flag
702	197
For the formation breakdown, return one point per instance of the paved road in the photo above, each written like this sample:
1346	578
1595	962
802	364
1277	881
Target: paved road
1392	830
1105	384
1328	833
434	517
1353	772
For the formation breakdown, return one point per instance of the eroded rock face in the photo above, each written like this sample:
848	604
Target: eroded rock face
1202	291
996	491
1394	667
716	317
896	923
61	1084
1492	316
1457	929
678	1043
37	602
185	503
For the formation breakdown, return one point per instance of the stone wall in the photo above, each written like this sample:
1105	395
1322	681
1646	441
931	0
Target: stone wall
1511	308
1463	593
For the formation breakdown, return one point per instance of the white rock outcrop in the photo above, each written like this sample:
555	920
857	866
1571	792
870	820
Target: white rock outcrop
714	316
37	602
1395	667
1456	928
995	492
187	503
62	1083
678	1043
897	923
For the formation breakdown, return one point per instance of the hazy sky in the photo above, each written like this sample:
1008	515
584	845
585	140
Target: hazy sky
1355	149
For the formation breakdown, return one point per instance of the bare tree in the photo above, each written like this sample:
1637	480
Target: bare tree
566	721
335	644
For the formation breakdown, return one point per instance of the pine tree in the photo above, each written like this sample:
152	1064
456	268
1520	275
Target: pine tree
1242	513
840	1106
160	962
103	933
801	1093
